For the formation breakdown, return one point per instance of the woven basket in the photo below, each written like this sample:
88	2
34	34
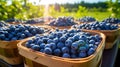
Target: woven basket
9	52
37	59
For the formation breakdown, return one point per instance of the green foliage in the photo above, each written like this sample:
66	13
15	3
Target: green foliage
3	10
12	10
33	11
62	9
52	11
19	10
81	11
90	6
114	8
22	9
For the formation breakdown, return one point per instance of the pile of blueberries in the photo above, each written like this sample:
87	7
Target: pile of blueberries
34	21
66	43
97	26
18	32
63	21
87	19
112	20
2	24
13	20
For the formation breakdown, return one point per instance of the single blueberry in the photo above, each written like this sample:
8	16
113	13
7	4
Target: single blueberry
48	50
66	55
65	50
57	52
91	51
35	47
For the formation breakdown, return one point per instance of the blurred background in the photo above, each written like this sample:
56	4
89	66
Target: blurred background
26	9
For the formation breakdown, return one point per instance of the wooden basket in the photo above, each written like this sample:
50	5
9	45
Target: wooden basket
111	36
37	59
9	52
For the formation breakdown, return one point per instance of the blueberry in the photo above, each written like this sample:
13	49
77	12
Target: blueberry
87	46
25	32
10	36
53	46
72	34
28	45
60	45
35	47
75	45
7	39
56	40
73	56
68	43
2	36
62	39
97	43
71	31
33	31
42	45
30	41
76	37
91	51
82	48
71	38
23	36
59	34
56	29
97	37
94	47
39	42
51	36
42	50
45	40
92	42
91	45
78	30
73	51
37	35
37	38
48	50
14	38
65	31
50	41
82	54
29	35
81	42
82	37
66	55
13	33
57	52
65	50
48	45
